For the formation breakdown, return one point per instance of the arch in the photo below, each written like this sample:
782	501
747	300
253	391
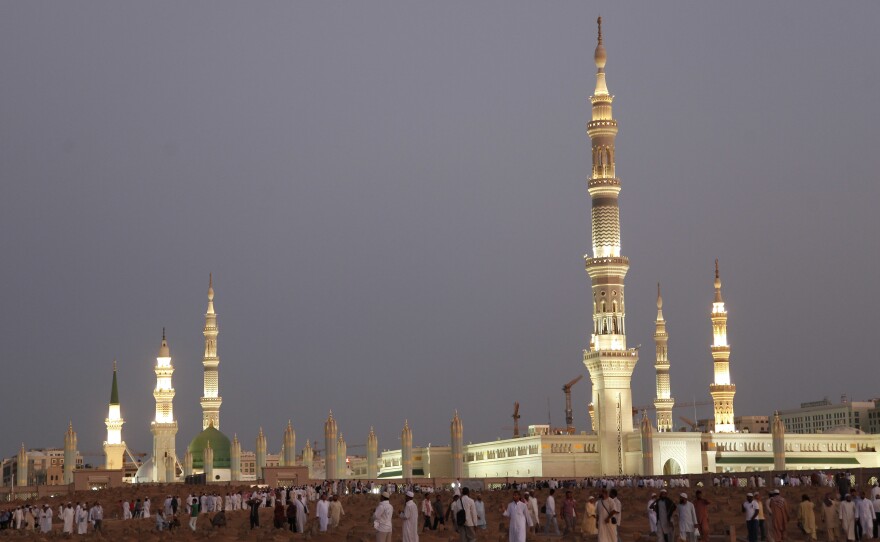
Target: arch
671	467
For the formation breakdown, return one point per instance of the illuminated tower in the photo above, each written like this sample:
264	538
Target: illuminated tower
456	431
114	447
341	456
647	445
608	360
211	399
406	458
260	454
164	427
372	455
308	455
778	432
235	459
21	471
722	389
288	456
330	448
664	401
69	454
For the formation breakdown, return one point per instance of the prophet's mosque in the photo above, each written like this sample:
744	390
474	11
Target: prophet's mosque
617	445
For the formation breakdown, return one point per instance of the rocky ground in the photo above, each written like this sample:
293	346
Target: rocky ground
356	525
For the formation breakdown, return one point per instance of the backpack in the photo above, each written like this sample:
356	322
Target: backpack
460	517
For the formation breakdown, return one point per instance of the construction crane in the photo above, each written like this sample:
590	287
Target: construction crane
515	420
569	414
691	423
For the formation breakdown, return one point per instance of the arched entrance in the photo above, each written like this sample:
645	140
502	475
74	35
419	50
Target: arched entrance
671	467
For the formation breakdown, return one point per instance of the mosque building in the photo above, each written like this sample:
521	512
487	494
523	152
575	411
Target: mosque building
620	442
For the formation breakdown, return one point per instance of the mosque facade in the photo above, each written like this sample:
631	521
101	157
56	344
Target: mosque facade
616	445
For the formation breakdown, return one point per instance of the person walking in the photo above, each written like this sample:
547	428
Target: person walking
750	510
701	507
382	518
427	513
194	508
687	519
807	517
589	527
518	514
410	517
551	526
846	512
336	512
779	511
830	518
664	507
569	512
607	514
467	531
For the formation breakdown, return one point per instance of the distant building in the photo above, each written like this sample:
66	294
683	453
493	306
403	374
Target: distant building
45	467
823	416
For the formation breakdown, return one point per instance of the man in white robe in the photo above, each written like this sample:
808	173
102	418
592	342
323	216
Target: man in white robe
145	509
652	514
518	513
322	511
410	517
534	511
67	517
687	519
126	510
847	513
46	519
301	514
81	517
866	515
608	516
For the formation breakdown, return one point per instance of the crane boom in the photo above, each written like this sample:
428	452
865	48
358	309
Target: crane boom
569	413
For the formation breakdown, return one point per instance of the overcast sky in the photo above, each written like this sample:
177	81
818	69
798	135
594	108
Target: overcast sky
392	199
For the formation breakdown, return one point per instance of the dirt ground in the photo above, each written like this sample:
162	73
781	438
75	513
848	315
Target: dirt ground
356	525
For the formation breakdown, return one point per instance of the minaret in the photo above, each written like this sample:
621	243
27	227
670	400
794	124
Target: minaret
289	446
608	359
722	389
260	454
69	454
164	427
208	462
114	448
341	456
330	448
235	459
188	463
647	435
372	455
456	431
308	455
778	431
406	459
211	399
21	471
663	402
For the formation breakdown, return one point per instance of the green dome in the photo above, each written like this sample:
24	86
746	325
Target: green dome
219	444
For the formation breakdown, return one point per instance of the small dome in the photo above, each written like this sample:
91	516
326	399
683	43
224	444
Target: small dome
219	443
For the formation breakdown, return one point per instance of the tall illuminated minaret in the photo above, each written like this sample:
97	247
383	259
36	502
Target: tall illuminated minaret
608	360
69	453
114	447
211	399
164	427
722	389
663	402
330	429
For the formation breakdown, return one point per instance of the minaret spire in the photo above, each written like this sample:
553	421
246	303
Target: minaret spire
608	359
664	402
114	447
164	426
211	399
722	389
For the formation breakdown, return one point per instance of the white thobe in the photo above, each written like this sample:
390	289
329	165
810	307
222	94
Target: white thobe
866	517
67	518
301	516
847	513
46	520
518	513
652	516
321	510
687	520
607	530
410	517
82	521
146	508
126	510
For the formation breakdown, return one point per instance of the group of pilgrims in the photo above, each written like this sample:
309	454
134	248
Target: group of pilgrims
76	519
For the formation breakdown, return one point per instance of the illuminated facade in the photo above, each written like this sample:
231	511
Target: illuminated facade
164	426
722	389
211	399
608	359
664	402
114	447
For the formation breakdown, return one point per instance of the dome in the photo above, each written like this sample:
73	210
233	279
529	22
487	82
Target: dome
219	443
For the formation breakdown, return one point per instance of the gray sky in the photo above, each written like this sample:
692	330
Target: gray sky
392	199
